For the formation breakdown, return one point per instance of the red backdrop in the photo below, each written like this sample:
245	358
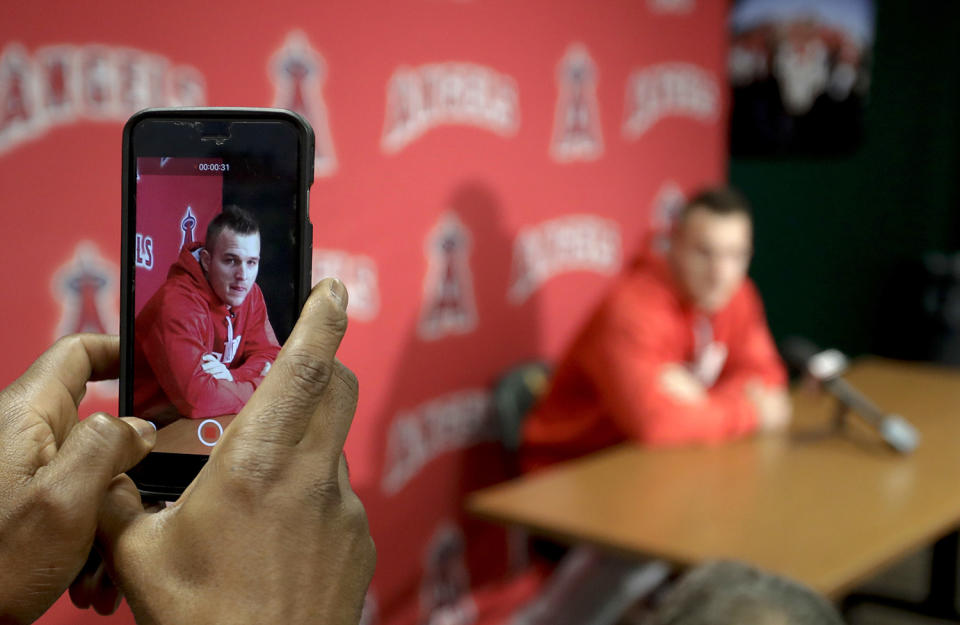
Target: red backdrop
483	168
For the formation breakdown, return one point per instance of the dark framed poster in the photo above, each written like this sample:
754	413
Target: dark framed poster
800	73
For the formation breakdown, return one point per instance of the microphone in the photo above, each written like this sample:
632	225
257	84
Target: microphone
827	368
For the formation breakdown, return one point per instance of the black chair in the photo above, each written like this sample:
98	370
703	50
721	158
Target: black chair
588	587
514	394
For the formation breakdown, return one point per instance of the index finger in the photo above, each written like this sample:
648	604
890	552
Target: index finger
71	362
282	408
55	383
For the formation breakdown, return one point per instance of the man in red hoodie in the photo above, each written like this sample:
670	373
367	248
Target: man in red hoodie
203	341
678	352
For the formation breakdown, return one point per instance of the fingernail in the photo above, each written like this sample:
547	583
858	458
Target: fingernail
338	291
146	429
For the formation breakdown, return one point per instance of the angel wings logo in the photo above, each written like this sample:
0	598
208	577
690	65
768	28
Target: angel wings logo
86	287
298	72
577	135
449	305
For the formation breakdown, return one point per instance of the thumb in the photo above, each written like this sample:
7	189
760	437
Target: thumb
121	508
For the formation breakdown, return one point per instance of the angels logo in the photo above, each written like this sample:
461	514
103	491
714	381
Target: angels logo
666	208
358	274
188	226
86	287
17	98
576	124
670	89
56	62
571	243
66	83
447	423
671	6
421	98
98	88
445	587
298	73
143	251
449	306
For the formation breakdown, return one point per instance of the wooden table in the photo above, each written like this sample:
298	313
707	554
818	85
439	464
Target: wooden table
829	511
187	436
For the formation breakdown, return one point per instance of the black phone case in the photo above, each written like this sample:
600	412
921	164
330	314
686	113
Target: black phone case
166	475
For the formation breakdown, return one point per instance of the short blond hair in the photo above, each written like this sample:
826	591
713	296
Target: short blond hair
733	593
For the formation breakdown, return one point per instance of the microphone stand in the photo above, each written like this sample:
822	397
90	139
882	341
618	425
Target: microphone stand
841	416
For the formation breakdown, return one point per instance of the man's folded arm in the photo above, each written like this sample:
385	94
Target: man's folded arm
260	344
753	355
628	367
175	353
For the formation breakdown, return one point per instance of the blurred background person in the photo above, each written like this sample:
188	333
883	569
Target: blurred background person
678	351
732	593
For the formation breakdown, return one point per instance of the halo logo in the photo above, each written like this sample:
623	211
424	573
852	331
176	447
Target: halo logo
445	586
577	135
298	72
86	287
449	305
666	208
188	226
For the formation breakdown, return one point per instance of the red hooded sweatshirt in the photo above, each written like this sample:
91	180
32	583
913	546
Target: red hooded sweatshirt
607	387
183	321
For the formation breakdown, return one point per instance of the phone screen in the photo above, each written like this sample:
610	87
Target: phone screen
216	246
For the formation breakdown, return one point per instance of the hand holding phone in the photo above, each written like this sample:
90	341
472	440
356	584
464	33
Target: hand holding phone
56	471
271	529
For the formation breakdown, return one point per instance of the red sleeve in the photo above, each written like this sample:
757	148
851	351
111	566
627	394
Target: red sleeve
753	354
174	350
260	344
625	361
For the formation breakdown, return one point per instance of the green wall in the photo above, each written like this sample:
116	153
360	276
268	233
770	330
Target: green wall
832	232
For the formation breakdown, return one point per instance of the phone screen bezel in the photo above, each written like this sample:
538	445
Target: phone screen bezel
165	475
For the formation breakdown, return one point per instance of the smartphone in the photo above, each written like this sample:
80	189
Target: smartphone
215	267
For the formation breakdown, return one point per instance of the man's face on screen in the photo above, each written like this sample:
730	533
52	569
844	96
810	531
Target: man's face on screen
232	265
710	255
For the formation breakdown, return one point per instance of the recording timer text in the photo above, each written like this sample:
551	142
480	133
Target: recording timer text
213	166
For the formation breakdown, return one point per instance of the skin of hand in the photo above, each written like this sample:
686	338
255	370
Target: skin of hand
270	531
772	404
55	472
677	381
216	368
